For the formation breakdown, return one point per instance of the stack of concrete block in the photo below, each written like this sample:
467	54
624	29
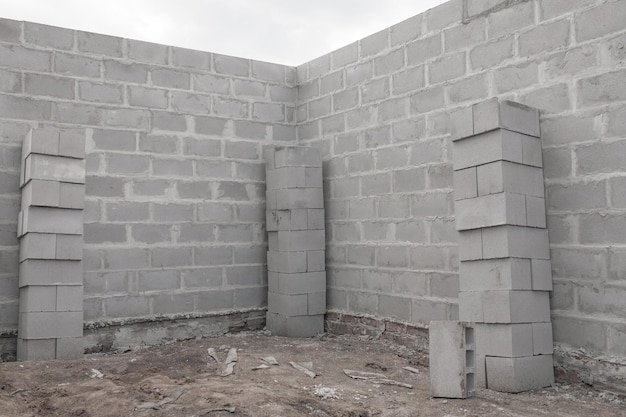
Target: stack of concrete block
452	359
296	237
50	229
505	272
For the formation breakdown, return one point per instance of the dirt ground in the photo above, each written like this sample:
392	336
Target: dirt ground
181	379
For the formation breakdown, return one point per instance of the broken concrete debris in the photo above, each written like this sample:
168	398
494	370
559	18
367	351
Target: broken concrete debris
305	367
374	378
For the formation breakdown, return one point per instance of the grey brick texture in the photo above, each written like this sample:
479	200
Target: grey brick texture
364	106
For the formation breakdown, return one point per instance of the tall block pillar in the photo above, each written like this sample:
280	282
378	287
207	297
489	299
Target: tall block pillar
296	237
505	272
50	231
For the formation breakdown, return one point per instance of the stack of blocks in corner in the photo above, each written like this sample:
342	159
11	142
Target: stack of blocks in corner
50	229
296	237
505	271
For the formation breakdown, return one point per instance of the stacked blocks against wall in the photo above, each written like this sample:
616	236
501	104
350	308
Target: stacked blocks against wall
50	229
452	359
296	240
505	273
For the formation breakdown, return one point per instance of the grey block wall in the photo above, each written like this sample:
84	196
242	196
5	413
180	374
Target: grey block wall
50	231
175	195
505	272
296	260
378	110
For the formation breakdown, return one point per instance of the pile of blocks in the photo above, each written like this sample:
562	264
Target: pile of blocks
296	238
50	230
505	270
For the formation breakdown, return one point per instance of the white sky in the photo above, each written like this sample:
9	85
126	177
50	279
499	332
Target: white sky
283	31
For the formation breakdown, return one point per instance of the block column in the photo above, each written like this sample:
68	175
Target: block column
296	237
505	272
50	231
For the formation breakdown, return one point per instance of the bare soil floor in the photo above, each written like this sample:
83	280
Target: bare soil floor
181	379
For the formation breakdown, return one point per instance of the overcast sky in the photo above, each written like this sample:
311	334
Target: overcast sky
283	31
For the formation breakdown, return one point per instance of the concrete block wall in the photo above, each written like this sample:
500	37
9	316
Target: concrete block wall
174	208
50	231
378	109
505	271
296	241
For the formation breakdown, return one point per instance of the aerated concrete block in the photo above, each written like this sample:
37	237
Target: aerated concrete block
495	274
287	262
38	246
52	220
287	220
516	242
287	305
451	357
50	272
315	261
536	212
53	168
294	177
300	240
301	283
497	145
465	183
36	349
50	325
300	198
72	196
470	245
515	306
38	298
490	210
69	298
542	339
298	326
69	247
41	193
505	340
316	303
503	114
69	348
541	274
504	176
519	374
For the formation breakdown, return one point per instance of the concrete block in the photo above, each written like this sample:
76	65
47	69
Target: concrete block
36	349
515	306
52	220
490	210
41	193
300	326
38	246
72	196
47	325
42	141
536	212
50	272
470	306
504	176
287	305
541	274
465	183
69	247
69	348
315	219
451	359
494	114
69	297
470	245
495	274
301	240
38	298
285	177
542	339
519	374
315	261
300	198
54	168
300	283
287	262
516	242
480	371
505	340
316	303
297	156
461	123
488	147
